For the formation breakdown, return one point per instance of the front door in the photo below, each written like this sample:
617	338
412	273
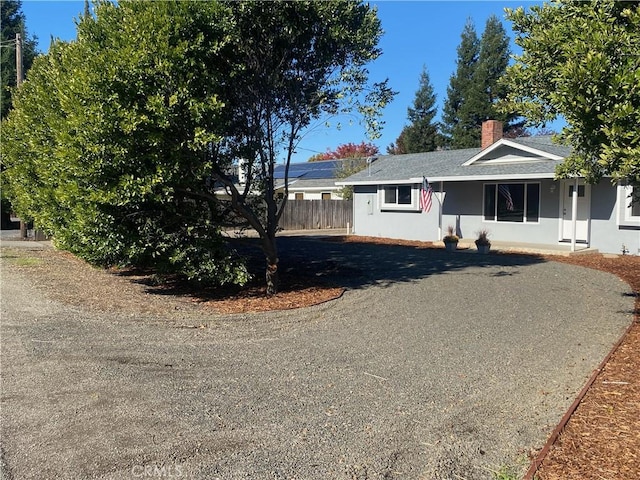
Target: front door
582	217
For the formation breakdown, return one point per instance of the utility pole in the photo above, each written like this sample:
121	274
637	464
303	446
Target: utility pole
19	77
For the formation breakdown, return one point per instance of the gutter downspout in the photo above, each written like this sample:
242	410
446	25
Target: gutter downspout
574	214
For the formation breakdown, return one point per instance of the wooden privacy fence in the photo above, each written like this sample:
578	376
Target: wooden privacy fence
314	214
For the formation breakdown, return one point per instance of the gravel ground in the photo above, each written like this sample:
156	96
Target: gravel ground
431	365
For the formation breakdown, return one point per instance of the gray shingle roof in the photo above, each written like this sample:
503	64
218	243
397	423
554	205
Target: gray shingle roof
448	164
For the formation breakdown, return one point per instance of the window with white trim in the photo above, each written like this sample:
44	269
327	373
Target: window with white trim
511	202
633	203
628	206
398	197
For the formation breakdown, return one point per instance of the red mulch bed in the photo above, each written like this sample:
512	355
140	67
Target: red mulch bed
602	437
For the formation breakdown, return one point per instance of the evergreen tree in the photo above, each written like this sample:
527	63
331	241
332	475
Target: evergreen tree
459	124
397	147
475	88
492	65
422	134
12	21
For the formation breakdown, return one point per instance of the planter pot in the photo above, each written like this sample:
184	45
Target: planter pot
451	246
483	249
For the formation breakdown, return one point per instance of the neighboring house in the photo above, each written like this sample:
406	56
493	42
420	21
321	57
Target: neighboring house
307	181
310	180
506	187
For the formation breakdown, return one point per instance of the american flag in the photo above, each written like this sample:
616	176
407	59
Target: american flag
504	191
425	196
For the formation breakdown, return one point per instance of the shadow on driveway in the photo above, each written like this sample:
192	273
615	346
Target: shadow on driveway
359	265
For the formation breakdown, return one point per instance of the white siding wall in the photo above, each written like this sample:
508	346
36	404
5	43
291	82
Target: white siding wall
314	195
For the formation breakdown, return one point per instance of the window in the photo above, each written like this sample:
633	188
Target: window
512	202
398	197
580	191
326	196
299	196
634	202
628	206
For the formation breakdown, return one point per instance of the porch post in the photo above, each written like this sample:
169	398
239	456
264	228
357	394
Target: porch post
574	214
440	213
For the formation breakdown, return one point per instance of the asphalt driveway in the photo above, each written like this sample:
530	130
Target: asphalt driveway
431	365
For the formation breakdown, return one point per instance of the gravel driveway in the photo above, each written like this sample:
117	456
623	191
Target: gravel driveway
431	365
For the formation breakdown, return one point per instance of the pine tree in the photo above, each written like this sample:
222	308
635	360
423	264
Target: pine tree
475	89
422	135
459	124
13	21
492	65
398	147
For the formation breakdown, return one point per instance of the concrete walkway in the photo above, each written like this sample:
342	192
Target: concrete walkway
465	245
535	248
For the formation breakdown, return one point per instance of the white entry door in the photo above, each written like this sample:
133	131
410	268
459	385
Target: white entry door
582	217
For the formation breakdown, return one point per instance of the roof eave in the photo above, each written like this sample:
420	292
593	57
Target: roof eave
459	178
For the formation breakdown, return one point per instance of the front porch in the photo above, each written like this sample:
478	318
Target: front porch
523	247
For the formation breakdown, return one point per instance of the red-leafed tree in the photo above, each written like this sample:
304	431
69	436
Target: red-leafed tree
354	158
347	150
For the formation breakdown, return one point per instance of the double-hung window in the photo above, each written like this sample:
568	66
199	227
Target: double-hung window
511	202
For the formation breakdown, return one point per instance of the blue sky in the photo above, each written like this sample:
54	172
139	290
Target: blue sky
417	34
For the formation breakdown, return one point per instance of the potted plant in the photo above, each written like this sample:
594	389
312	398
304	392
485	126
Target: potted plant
482	242
451	239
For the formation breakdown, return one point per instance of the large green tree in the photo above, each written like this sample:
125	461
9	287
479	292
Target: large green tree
12	22
297	62
580	61
142	119
492	65
108	129
422	134
459	125
475	90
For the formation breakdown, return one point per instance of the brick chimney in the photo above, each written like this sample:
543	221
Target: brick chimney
491	132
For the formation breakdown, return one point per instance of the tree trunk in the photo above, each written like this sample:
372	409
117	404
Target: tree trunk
272	274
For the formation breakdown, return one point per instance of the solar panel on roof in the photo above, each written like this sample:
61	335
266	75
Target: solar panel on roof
308	170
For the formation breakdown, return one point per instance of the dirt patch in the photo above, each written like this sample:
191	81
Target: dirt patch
65	278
